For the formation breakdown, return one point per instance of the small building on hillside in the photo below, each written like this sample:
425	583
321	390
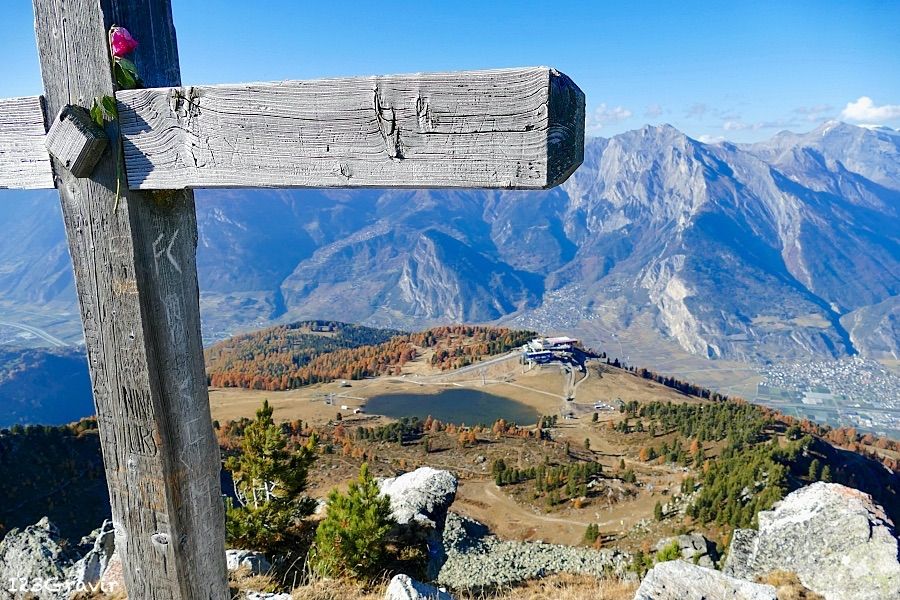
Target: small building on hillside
551	344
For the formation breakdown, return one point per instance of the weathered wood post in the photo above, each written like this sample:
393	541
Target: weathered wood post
136	276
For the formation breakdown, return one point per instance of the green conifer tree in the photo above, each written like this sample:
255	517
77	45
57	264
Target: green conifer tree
814	470
269	481
350	540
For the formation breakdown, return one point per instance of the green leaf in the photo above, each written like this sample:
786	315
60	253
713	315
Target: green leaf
97	113
125	78
131	77
109	106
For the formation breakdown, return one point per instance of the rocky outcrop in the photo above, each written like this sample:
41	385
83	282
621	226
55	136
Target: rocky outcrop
403	587
420	501
102	543
694	548
256	562
422	496
679	580
113	578
838	542
477	560
36	559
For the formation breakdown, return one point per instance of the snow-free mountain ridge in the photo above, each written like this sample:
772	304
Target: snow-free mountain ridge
757	252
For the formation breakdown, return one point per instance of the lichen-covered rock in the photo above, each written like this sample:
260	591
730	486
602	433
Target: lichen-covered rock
35	558
403	587
477	560
420	501
679	580
838	542
255	561
694	548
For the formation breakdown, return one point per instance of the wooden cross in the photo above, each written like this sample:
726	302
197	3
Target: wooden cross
135	260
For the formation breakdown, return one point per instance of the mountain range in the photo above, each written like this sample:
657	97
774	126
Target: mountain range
755	252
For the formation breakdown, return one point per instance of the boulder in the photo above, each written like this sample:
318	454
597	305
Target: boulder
836	539
420	501
35	558
255	561
680	580
694	548
422	496
101	545
403	587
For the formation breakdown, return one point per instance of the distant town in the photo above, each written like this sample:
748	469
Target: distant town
854	391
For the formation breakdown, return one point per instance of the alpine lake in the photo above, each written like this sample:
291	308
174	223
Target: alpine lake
455	405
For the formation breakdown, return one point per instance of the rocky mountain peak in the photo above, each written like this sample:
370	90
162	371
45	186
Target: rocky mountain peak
758	252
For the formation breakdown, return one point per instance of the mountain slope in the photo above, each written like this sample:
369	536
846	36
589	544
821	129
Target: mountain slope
51	387
756	252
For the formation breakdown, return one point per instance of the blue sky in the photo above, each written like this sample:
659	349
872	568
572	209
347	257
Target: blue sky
740	71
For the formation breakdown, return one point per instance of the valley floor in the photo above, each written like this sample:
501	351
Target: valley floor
626	516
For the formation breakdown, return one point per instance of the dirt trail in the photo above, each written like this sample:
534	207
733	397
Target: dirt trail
482	501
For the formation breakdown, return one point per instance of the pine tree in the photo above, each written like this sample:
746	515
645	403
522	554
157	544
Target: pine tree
269	482
350	540
814	470
658	511
587	444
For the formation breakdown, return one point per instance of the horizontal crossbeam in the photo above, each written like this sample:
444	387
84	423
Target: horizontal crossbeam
511	128
24	162
515	128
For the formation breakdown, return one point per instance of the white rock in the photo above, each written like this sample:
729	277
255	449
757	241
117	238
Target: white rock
679	580
266	596
422	496
255	561
838	542
403	587
693	547
88	570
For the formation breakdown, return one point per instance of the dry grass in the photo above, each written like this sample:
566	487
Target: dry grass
569	587
788	587
556	587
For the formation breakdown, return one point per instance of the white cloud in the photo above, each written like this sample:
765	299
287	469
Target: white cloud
606	115
696	110
738	125
710	139
815	113
653	111
865	110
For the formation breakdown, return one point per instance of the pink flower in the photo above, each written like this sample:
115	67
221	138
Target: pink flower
121	42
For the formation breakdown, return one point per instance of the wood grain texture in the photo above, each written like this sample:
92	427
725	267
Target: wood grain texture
511	128
135	271
24	162
75	141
